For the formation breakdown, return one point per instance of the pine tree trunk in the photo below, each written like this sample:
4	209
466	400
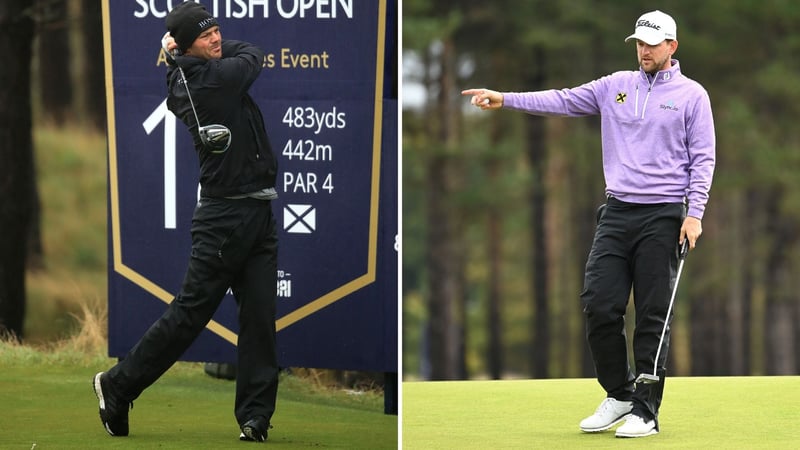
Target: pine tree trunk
779	326
445	256
94	70
537	155
54	56
494	243
16	154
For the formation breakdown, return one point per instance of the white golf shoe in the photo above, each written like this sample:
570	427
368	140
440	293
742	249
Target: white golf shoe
635	426
610	412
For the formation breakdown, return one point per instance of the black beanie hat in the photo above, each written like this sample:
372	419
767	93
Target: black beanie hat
186	21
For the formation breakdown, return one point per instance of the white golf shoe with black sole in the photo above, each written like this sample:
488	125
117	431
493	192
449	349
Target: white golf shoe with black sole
610	412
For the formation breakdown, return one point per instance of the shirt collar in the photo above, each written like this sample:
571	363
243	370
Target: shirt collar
663	75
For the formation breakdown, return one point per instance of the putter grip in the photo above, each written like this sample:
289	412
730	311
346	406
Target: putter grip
684	249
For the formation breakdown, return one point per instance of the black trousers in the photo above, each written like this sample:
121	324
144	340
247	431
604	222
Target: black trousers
635	247
234	244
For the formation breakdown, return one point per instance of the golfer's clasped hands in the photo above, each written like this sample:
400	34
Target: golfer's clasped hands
168	43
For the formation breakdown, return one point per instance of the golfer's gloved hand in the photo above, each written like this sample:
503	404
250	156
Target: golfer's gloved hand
168	44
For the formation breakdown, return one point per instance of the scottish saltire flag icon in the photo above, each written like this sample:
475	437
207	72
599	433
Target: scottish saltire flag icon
299	219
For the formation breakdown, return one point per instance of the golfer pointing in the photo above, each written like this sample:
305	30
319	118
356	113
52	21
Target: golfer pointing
234	237
658	160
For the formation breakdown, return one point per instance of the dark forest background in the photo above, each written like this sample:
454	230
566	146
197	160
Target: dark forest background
499	207
52	115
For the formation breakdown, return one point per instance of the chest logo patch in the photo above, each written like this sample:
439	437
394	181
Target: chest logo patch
621	97
670	105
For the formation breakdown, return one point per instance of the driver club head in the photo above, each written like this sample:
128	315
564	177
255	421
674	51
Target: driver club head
647	378
215	138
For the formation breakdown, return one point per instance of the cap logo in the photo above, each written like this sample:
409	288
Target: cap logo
205	22
648	24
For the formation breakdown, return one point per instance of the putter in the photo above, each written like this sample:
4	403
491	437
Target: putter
647	378
216	138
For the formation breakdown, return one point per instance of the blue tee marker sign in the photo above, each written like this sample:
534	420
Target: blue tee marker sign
330	109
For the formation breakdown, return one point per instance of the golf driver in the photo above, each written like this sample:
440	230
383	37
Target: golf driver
216	138
647	378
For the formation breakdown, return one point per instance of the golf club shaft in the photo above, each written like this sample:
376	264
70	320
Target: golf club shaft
186	85
175	53
682	256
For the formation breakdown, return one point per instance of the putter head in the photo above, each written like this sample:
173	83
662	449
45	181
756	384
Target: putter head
215	138
647	378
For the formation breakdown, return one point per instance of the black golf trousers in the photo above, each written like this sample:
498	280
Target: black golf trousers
234	244
635	247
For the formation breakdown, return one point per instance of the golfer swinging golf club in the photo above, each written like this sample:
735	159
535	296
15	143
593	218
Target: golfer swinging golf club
658	150
234	235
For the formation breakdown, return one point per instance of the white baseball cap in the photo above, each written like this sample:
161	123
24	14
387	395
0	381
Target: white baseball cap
654	27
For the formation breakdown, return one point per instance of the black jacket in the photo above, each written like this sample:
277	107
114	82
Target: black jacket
219	90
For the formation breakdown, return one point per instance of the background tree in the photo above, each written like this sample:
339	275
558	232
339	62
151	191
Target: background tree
54	59
94	72
16	154
38	78
55	94
442	176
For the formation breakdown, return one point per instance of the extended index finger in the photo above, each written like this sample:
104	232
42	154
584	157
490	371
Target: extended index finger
472	91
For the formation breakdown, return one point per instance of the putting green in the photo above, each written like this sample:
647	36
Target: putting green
696	413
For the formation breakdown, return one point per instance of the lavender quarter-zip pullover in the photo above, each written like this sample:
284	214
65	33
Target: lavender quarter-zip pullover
657	132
